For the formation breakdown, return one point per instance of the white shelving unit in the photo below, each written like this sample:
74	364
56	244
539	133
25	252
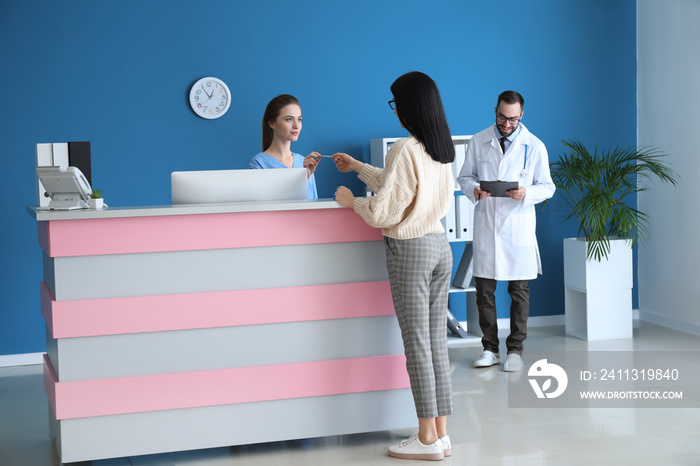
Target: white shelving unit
458	227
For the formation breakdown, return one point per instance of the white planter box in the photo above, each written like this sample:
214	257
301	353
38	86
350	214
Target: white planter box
96	204
598	295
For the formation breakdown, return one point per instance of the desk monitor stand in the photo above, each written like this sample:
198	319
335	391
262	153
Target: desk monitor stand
65	204
67	188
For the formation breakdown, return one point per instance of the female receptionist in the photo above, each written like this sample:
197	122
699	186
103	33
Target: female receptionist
281	124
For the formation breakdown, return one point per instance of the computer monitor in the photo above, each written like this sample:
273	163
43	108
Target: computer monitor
218	186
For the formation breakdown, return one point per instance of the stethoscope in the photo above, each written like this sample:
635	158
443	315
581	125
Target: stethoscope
523	173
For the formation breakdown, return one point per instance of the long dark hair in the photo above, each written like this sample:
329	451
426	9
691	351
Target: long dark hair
419	108
272	111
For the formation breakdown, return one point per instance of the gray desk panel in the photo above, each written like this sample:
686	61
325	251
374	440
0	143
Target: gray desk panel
220	348
49	271
113	276
197	428
52	352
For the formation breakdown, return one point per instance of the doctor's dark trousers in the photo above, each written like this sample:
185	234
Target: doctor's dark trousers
419	273
519	311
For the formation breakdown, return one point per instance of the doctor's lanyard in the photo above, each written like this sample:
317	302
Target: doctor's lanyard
523	173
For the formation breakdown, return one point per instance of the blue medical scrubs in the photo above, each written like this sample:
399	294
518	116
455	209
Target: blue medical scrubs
263	160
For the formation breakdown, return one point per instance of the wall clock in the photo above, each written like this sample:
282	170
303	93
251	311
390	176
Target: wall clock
210	98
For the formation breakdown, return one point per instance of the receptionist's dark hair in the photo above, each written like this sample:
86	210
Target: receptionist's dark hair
272	111
511	97
419	108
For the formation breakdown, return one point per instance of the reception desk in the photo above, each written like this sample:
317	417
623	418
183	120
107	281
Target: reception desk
185	327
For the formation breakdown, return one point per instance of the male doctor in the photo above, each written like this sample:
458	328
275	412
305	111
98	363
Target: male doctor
505	245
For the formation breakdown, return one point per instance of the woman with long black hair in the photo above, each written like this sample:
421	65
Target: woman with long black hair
413	192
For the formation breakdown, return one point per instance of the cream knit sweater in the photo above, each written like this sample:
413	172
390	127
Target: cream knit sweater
413	192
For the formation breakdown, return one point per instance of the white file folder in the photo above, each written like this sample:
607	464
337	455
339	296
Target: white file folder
460	153
44	158
450	222
60	154
465	218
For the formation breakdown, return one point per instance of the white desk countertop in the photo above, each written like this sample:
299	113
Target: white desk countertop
182	209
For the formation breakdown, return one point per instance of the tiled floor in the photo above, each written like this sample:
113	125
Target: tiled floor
484	430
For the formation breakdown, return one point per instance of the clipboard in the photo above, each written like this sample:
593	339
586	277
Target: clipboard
498	188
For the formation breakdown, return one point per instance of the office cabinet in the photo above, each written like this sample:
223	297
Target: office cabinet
458	225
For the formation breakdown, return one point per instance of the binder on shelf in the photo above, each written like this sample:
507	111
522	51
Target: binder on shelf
60	154
465	213
450	222
44	158
464	276
460	153
44	155
454	326
79	157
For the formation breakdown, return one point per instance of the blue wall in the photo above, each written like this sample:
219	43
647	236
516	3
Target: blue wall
118	74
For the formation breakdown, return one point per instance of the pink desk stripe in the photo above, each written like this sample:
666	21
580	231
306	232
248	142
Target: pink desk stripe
114	316
64	238
124	395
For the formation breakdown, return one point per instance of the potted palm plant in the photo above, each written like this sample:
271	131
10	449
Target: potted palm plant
597	187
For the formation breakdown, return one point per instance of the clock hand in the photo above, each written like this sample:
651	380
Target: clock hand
205	91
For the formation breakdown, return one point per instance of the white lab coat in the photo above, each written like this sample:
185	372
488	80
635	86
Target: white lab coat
505	245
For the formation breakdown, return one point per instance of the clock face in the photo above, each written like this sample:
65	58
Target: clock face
210	98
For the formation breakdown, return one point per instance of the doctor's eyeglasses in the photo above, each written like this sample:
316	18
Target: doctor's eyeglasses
502	119
392	104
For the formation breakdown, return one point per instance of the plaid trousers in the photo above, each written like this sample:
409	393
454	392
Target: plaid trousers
419	273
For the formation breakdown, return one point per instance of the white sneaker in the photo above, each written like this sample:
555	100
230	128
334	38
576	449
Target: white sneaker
446	445
412	449
514	363
488	358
